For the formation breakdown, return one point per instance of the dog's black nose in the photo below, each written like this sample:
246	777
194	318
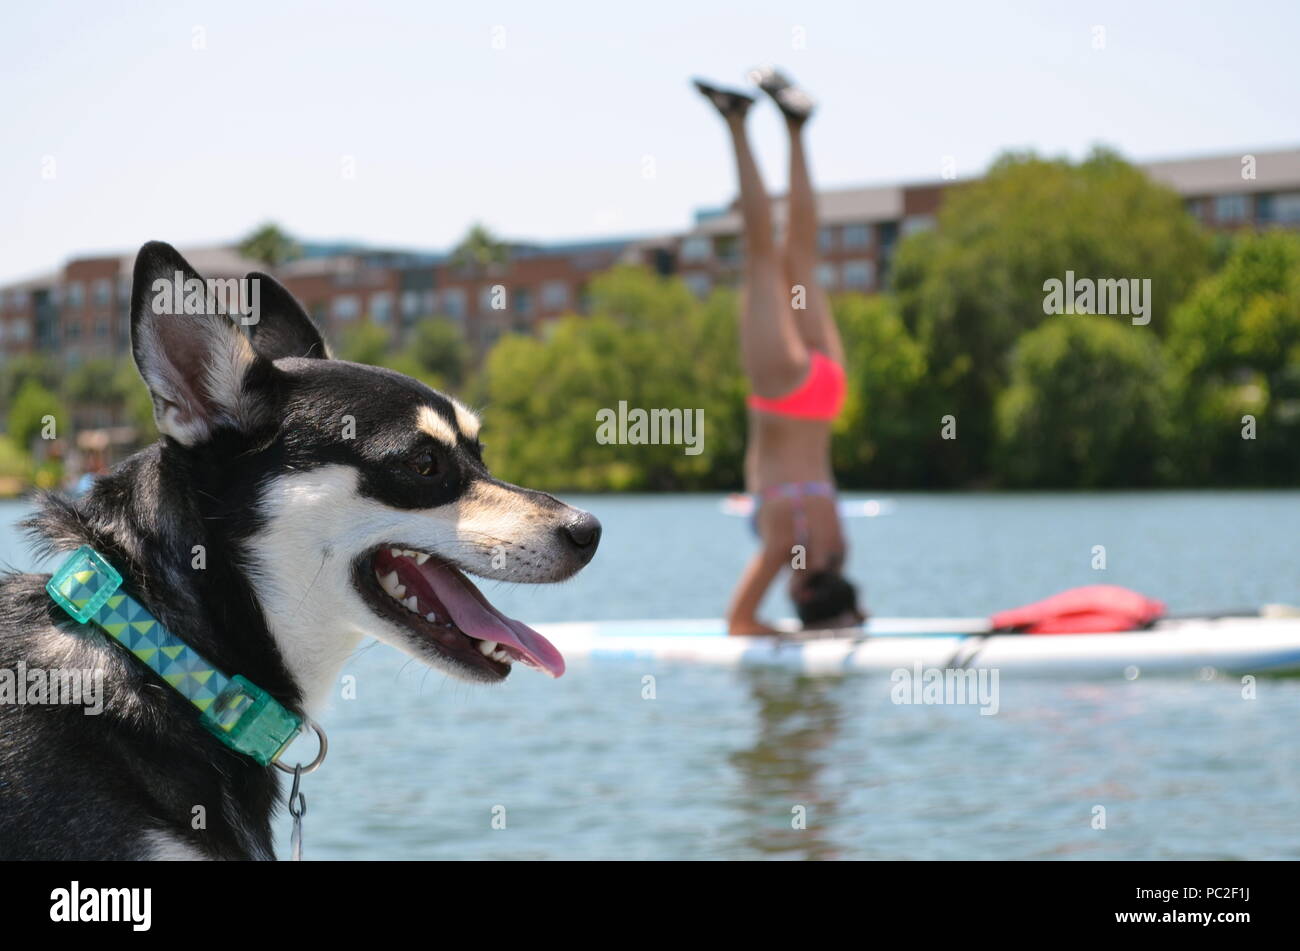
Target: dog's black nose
583	533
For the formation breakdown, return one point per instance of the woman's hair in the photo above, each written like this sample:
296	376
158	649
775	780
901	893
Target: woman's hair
825	596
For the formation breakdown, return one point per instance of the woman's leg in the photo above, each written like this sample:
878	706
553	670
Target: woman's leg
815	323
774	354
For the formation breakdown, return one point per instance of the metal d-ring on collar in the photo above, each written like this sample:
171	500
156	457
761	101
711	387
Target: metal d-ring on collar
297	801
315	764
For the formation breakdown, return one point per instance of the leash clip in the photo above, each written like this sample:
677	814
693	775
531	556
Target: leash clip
297	801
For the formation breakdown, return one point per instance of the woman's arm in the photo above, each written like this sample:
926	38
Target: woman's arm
742	616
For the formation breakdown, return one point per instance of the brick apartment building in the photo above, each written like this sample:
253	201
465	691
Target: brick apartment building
862	226
81	310
395	289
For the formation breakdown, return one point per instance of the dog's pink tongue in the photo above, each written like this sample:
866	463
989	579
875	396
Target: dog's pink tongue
479	619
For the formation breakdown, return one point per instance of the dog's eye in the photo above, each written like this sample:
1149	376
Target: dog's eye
423	463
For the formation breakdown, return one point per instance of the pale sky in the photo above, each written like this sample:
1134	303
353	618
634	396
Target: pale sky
114	129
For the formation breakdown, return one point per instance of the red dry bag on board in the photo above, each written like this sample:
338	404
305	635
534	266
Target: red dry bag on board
1095	609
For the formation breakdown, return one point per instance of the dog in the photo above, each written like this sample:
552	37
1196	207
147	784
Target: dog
293	505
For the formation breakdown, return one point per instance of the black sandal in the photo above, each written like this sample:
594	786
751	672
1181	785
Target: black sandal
789	98
727	101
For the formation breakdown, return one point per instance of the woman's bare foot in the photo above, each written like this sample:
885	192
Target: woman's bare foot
794	103
730	103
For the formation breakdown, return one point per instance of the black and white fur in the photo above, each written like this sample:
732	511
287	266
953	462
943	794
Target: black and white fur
254	464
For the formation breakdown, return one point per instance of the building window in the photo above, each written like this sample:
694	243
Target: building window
19	331
72	330
102	328
410	304
453	302
381	307
76	295
428	304
123	289
345	307
1230	208
859	275
103	292
18	300
555	295
698	247
523	301
1285	208
857	236
826	275
699	282
826	239
914	223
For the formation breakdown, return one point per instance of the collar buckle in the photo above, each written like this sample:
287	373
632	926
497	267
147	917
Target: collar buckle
84	584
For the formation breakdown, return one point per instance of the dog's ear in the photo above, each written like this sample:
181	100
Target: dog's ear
200	368
283	328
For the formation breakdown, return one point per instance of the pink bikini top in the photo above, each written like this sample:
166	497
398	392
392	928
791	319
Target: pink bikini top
820	396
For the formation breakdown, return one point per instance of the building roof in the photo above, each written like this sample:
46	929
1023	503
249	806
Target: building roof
218	261
1277	170
834	206
1220	174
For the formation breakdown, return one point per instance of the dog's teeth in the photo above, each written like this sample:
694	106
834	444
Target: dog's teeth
501	656
389	581
399	592
431	618
487	647
421	557
412	604
395	552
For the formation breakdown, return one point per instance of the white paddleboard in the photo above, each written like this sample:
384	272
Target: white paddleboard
1195	647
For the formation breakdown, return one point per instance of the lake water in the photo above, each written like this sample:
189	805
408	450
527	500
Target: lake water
720	762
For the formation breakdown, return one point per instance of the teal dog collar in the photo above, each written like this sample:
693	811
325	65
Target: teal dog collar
239	713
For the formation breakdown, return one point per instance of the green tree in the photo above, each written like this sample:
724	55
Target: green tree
270	245
137	404
94	381
970	288
440	350
15	466
1235	352
366	343
27	414
650	344
17	370
1085	407
479	250
884	437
